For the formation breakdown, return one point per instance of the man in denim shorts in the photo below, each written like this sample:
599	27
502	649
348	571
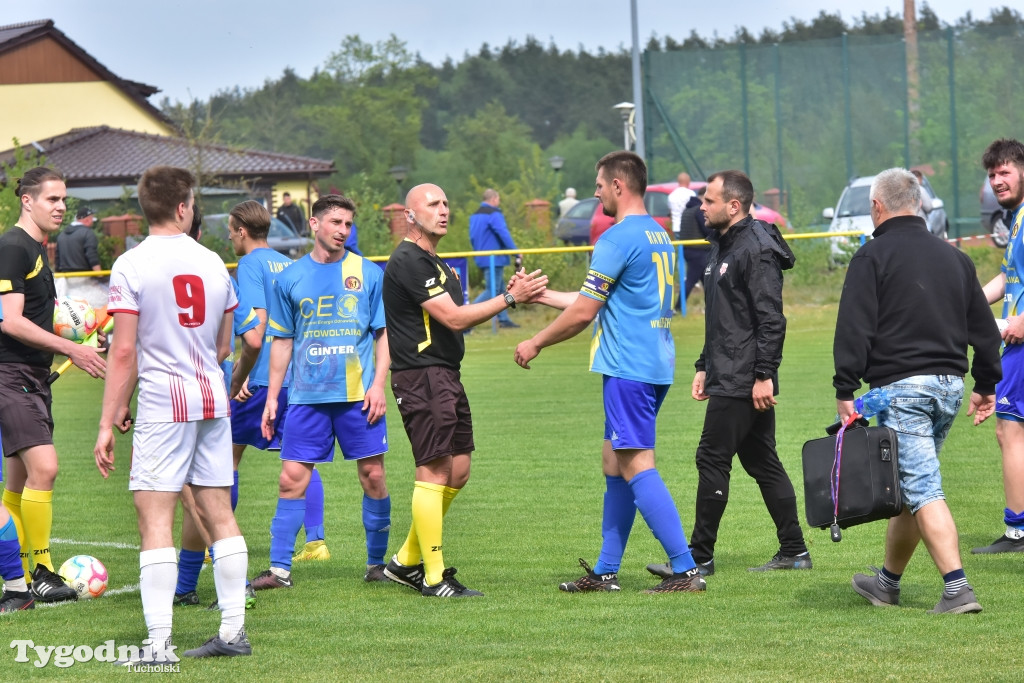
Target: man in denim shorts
911	305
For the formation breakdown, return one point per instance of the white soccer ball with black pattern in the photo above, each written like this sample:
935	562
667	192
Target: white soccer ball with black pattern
86	575
73	319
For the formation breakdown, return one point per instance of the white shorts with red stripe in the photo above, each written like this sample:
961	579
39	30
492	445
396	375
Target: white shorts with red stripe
168	455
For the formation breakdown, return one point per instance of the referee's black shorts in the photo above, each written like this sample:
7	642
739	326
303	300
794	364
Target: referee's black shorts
435	411
26	418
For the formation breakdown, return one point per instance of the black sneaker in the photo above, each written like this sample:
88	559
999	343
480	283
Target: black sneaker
186	599
590	581
1003	544
239	646
148	654
665	570
13	601
687	582
48	587
267	579
449	587
375	572
407	576
780	561
250	599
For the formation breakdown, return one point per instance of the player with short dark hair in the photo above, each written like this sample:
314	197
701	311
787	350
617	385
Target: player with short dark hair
628	289
327	324
172	303
27	346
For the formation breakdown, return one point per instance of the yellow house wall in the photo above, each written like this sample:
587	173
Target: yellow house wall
36	111
303	194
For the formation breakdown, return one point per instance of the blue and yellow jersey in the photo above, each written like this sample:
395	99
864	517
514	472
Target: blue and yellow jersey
1013	266
632	273
331	311
257	272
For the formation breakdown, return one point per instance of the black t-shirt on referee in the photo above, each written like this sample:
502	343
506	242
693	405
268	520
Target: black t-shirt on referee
414	338
24	269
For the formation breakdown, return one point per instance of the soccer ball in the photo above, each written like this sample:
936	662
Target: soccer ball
73	319
86	575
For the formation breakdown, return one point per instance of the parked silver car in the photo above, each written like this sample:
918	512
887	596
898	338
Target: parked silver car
853	212
280	238
993	220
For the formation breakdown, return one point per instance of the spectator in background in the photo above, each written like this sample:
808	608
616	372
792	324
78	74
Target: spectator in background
489	232
692	226
926	201
293	215
679	198
352	243
567	203
77	246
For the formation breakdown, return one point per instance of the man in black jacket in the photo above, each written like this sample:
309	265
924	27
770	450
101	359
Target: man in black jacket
910	306
737	372
77	245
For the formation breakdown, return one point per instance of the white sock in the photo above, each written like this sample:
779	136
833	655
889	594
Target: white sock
230	566
17	585
1015	534
158	577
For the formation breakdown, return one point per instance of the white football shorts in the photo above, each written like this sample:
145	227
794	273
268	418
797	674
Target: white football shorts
168	455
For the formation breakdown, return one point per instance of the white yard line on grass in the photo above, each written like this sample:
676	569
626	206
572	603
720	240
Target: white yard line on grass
98	544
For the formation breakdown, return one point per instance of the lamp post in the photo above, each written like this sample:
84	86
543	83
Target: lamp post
398	173
556	163
626	110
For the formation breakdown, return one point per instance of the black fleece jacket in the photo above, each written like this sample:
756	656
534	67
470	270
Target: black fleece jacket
744	327
911	304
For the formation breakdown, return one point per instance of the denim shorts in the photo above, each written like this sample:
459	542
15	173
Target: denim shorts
923	409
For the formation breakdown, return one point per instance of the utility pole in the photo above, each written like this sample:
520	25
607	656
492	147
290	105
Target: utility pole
913	77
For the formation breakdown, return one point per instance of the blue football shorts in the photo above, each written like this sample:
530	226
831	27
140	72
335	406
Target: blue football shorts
631	412
247	420
1010	391
312	430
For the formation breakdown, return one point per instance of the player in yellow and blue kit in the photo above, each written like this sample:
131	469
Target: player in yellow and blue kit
325	315
1004	162
629	290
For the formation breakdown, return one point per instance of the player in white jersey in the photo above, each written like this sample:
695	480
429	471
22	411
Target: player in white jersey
172	301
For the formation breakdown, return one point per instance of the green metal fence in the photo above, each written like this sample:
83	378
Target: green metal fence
806	117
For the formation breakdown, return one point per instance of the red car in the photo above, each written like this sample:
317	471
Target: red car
656	201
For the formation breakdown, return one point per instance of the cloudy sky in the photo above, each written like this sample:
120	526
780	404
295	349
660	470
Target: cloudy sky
193	48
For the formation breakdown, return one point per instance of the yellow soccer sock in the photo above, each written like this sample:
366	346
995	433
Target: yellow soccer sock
409	554
448	495
37	510
12	501
427	503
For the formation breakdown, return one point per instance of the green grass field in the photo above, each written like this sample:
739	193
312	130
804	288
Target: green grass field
533	507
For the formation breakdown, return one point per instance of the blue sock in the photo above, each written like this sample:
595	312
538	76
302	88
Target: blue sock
377	523
234	492
616	523
1014	520
659	511
190	562
284	528
955	580
314	518
10	552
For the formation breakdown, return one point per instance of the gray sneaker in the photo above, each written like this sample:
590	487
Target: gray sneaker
867	586
963	602
375	572
665	570
239	646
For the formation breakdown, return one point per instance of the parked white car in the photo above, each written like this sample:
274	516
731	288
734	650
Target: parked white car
853	212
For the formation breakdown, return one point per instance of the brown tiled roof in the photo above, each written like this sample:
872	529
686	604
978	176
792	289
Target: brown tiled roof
15	35
104	155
